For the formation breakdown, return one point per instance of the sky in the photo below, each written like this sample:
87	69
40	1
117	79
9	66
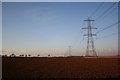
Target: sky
50	27
60	0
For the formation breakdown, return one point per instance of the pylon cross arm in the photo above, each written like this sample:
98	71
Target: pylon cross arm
89	34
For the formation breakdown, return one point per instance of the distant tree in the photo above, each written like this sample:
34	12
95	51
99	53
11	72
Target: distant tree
4	56
22	55
12	55
29	55
38	55
48	55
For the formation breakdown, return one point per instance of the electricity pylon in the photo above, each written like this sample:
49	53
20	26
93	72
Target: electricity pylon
90	51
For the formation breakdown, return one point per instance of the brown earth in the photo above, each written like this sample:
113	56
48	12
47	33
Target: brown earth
69	67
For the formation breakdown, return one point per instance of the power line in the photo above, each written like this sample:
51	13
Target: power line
73	48
78	35
106	36
106	11
110	11
107	27
78	38
79	42
99	6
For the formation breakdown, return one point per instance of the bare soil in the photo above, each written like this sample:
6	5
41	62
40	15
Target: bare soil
69	67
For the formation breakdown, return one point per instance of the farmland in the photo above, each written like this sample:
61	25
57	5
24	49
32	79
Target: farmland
61	67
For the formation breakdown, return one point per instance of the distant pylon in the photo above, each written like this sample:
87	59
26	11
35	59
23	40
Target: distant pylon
90	51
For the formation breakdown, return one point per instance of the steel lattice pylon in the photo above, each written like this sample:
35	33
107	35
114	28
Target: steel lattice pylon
90	43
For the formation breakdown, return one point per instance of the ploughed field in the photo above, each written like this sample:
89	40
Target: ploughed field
69	67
